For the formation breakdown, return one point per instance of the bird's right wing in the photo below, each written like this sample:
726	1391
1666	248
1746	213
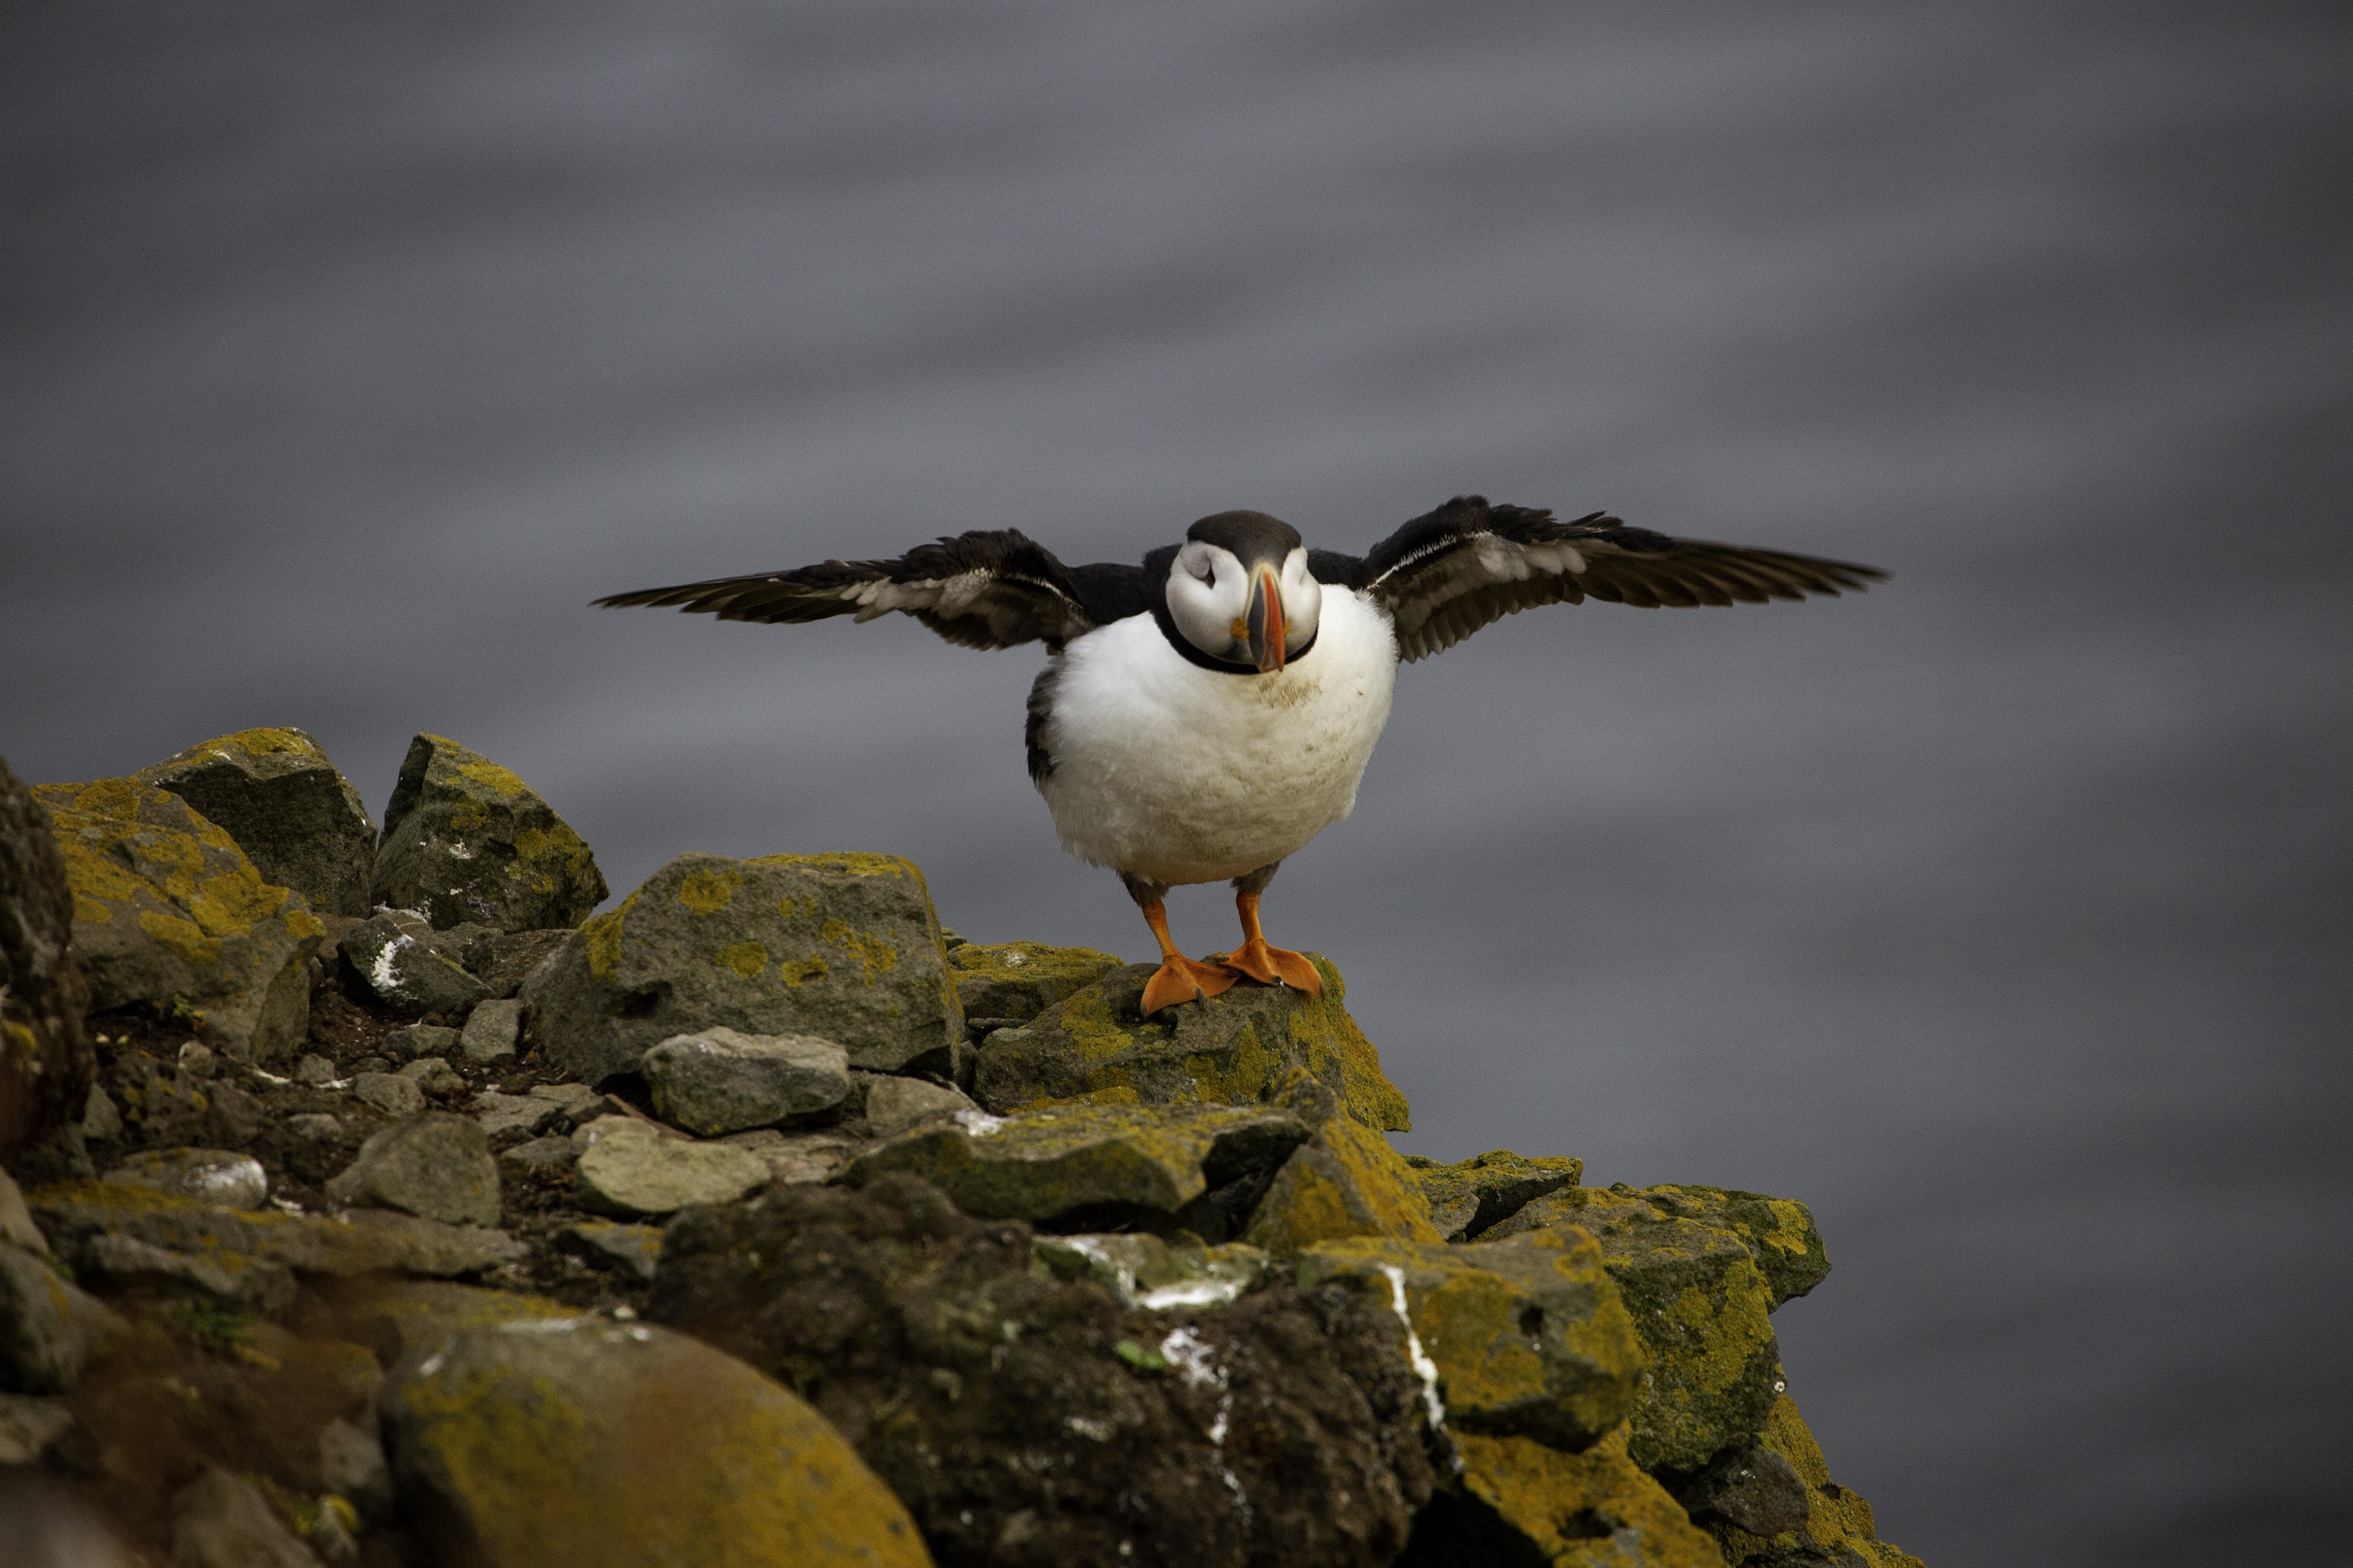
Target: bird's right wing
997	589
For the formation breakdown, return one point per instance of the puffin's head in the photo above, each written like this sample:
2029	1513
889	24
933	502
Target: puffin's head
1239	590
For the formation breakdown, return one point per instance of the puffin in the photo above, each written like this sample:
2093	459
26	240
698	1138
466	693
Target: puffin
1206	713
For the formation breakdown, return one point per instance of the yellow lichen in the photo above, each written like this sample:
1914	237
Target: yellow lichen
1574	1508
602	936
798	972
874	955
185	941
496	779
745	958
706	891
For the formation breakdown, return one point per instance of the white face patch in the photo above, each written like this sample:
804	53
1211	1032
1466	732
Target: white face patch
1209	598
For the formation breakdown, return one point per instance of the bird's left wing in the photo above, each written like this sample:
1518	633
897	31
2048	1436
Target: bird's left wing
996	589
1468	564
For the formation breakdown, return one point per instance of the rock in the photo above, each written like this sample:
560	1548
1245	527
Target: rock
1699	1301
1029	1420
500	1113
395	957
435	1077
633	1171
1778	1232
198	1060
843	947
501	958
492	1029
795	1158
388	1093
1230	1050
647	1447
1749	1487
717	1081
1016	981
16	1226
30	1427
46	1063
539	1154
436	1166
352	1464
412	1317
100	1121
895	1104
314	1070
1518	1501
46	1326
209	1175
570	1095
233	1117
1344	1181
1468	1197
361	1241
634	1249
248	1284
413	1040
295	817
1145	1271
166	905
314	1126
1090	1164
1529	1338
222	1521
1837	1528
465	841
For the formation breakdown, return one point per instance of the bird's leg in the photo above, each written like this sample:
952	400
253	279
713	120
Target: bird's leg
1178	978
1258	958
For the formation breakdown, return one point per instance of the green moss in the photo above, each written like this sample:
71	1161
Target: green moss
1346	1181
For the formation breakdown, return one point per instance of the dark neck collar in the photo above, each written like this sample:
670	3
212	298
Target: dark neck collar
1156	567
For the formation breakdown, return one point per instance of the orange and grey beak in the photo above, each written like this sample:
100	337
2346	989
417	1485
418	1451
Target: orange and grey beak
1263	621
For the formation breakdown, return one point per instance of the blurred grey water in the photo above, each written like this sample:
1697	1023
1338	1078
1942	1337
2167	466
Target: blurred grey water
2000	914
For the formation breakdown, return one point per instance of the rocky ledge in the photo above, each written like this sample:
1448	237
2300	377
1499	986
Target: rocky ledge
369	1201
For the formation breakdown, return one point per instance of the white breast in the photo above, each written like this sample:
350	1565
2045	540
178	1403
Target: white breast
1179	775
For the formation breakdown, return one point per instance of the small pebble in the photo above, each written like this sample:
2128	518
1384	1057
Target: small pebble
197	1060
315	1069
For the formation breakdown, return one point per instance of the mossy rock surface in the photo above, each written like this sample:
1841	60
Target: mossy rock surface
1780	1232
467	842
293	814
1096	1046
1839	1527
1089	1162
1028	1418
1344	1181
580	1440
1472	1195
167	906
844	947
1518	1503
1529	1335
1016	981
361	1242
47	1062
1700	1304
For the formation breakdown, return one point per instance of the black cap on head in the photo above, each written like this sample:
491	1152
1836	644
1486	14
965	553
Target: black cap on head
1252	536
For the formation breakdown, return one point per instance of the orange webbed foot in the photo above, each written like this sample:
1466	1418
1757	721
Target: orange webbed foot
1267	964
1180	979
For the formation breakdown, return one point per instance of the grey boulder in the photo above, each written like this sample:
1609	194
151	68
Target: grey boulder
717	1081
287	806
468	842
398	958
435	1166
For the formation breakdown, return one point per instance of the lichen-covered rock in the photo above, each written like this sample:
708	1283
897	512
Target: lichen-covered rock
1780	1233
436	1166
634	1249
1142	1270
632	1170
1750	1488
1034	1422
589	1442
1095	1046
398	958
209	1175
1700	1303
45	1326
1344	1181
167	906
363	1241
297	818
1517	1501
843	947
895	1104
46	1063
717	1081
1838	1528
222	1521
1013	982
467	842
1090	1164
243	1283
1469	1196
1528	1335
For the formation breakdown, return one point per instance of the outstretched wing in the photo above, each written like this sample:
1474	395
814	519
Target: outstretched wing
982	590
1444	575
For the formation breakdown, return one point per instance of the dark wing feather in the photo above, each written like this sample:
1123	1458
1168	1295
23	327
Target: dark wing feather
1468	564
980	590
